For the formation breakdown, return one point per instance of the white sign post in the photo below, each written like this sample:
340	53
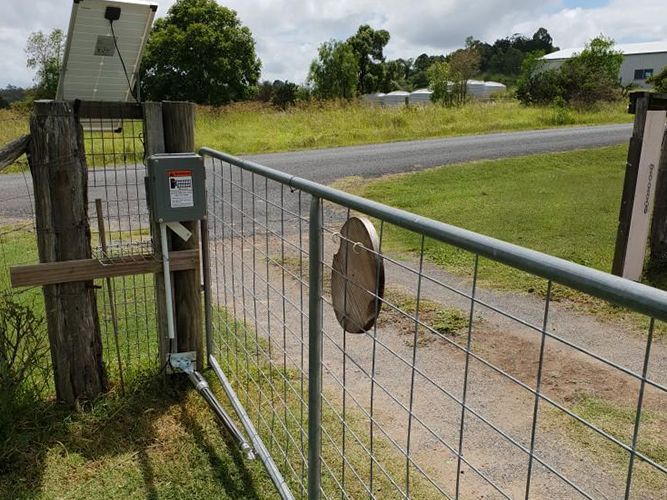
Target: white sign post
644	195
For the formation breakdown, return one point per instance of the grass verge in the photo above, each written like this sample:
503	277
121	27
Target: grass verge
618	421
246	128
253	128
156	441
562	204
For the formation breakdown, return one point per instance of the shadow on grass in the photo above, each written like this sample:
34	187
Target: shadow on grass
223	472
141	444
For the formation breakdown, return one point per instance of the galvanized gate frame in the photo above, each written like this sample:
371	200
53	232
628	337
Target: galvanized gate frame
634	296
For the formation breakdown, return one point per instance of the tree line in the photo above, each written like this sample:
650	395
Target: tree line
357	66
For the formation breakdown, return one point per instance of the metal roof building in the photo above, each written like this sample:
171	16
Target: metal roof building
640	60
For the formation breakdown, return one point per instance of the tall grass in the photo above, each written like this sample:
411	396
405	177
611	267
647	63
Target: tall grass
13	124
256	128
250	127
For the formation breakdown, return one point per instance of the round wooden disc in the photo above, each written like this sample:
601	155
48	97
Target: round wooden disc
357	276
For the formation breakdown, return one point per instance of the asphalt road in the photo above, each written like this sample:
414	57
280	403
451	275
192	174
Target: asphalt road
123	188
327	165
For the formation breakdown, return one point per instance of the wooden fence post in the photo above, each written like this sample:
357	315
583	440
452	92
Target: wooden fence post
60	177
657	264
629	185
153	144
178	120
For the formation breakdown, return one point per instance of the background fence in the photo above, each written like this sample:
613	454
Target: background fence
461	389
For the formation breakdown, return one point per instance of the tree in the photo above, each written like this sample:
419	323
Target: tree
200	52
542	41
45	54
396	74
334	73
585	79
368	46
11	93
593	75
438	78
3	103
505	57
418	77
463	65
264	91
536	85
284	94
659	81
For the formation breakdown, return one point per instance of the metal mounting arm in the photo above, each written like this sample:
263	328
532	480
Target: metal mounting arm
185	362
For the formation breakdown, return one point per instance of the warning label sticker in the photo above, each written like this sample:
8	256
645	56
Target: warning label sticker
180	189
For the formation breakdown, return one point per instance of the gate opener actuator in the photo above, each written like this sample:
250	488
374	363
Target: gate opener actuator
175	193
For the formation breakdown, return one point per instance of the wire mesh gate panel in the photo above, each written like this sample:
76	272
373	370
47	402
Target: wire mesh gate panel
461	389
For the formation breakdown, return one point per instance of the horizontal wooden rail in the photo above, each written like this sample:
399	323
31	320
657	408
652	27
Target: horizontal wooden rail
52	273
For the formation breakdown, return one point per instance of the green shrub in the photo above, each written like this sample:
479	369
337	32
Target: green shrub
284	94
582	81
659	81
561	115
540	88
23	351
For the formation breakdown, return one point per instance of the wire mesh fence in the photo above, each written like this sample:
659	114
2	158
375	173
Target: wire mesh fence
118	219
461	388
120	227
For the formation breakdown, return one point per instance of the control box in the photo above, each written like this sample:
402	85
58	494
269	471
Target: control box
176	187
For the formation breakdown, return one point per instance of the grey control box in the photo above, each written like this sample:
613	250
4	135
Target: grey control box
176	187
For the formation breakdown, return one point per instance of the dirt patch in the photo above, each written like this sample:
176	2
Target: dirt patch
570	378
433	323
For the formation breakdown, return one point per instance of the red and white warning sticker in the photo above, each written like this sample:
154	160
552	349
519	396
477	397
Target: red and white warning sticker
180	189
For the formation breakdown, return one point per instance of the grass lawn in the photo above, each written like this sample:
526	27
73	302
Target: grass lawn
618	421
160	440
563	204
155	442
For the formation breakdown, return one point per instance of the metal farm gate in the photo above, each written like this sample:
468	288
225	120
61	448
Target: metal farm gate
459	390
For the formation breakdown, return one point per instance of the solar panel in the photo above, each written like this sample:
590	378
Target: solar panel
92	69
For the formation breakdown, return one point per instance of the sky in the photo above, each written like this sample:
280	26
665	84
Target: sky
288	32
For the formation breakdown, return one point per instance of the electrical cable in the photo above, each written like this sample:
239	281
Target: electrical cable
122	62
167	363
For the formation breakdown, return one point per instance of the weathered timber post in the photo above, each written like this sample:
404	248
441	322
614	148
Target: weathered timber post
657	265
154	143
60	178
178	120
629	185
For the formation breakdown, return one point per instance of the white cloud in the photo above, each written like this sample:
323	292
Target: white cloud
625	21
288	32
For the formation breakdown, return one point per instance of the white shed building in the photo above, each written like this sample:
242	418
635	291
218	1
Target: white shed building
420	96
640	60
373	98
395	98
